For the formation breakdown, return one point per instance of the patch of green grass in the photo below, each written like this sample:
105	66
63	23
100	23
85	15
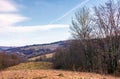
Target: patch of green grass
32	65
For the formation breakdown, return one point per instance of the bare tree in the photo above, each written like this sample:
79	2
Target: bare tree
76	55
81	25
108	22
82	31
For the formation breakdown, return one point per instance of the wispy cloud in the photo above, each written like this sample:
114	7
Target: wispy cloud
27	29
67	13
9	14
10	19
7	6
24	35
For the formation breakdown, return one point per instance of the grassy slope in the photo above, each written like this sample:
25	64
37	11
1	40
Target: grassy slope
50	55
43	70
31	65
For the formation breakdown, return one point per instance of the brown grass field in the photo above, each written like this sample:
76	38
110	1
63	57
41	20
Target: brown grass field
43	70
51	74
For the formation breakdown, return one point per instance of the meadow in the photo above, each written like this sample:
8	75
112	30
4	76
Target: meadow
44	70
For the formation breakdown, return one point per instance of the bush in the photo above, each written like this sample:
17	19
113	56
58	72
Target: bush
8	60
75	57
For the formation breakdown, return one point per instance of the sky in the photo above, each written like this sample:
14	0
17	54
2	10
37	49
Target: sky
27	22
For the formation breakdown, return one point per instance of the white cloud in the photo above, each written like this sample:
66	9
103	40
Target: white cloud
10	19
6	17
23	39
27	35
7	6
12	34
31	28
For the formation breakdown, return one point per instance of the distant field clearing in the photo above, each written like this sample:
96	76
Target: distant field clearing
43	57
32	65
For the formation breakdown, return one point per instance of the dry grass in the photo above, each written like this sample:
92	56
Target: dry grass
50	55
51	74
43	70
32	65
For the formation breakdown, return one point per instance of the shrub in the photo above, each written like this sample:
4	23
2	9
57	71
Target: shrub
8	60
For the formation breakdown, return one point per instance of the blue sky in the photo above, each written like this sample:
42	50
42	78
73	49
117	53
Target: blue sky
26	22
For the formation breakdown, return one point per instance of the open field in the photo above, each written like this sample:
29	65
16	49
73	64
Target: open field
43	70
50	74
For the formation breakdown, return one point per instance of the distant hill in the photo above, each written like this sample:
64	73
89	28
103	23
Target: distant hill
2	48
36	49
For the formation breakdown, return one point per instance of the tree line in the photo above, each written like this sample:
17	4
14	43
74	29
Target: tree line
7	60
95	46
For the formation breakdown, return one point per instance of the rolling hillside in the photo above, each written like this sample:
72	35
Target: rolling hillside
3	48
36	49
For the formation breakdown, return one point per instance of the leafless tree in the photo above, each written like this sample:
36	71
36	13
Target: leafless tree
81	25
108	25
82	31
